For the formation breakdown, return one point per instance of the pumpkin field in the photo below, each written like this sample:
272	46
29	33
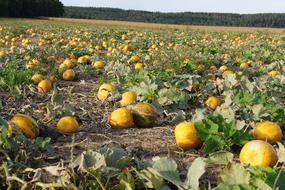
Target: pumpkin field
84	106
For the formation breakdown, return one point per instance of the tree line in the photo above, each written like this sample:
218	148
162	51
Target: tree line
216	19
31	8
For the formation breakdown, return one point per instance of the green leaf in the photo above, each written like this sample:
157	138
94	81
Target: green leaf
279	180
214	143
3	123
151	178
167	168
115	157
42	143
218	134
127	182
260	184
201	129
213	128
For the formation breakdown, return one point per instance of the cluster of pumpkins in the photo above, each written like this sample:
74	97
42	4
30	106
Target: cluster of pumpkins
66	68
130	113
225	70
67	71
29	127
258	152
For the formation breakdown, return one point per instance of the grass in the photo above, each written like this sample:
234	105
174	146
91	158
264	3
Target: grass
13	75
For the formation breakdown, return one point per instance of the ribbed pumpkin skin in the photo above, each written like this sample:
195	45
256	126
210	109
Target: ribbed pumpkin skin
128	98
26	125
104	91
121	118
37	78
144	115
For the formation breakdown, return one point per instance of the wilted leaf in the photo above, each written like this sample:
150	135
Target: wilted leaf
226	111
50	174
220	158
179	117
257	110
199	115
196	170
228	98
89	160
230	80
240	124
235	174
281	152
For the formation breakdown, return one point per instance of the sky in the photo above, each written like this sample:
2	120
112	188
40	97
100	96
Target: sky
225	6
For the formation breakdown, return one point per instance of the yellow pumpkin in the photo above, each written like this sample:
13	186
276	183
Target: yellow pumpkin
32	64
135	59
212	102
44	86
68	75
83	59
67	125
144	115
98	65
213	68
227	73
273	73
128	98
268	131
24	124
258	153
139	66
69	63
121	118
223	68
126	48
243	66
62	67
104	91
2	54
186	136
37	78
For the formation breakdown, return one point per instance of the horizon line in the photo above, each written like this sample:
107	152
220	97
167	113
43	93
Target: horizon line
175	12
